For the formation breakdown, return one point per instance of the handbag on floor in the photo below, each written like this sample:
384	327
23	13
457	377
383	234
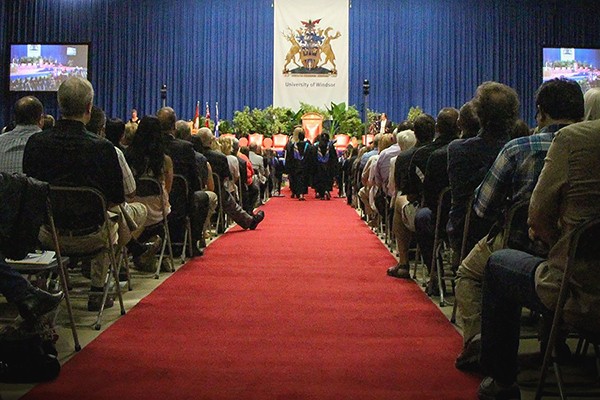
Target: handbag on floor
27	357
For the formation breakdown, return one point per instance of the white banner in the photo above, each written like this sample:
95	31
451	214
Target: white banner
310	62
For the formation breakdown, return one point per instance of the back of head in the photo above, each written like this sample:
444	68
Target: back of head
48	121
468	122
115	129
253	147
385	142
28	111
226	144
301	136
447	122
424	128
404	126
406	139
206	137
245	150
235	146
561	99
75	97
167	118
183	130
130	130
592	104
520	129
497	107
296	133
97	121
147	148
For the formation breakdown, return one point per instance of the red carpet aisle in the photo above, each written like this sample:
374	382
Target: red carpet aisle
301	308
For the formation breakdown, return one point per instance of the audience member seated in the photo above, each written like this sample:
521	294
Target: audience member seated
406	203
260	170
218	161
130	129
592	104
468	123
70	155
183	131
28	118
114	131
431	171
497	108
147	159
132	214
251	190
369	189
48	122
226	145
406	140
184	163
565	195
510	180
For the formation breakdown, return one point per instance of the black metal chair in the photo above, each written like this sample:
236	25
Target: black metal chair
440	244
147	186
179	198
583	248
82	211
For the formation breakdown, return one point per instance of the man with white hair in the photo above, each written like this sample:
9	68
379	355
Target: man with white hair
70	155
220	166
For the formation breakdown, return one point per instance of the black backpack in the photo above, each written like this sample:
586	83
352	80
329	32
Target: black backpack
27	357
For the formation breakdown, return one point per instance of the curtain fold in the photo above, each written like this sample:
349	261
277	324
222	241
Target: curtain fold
426	53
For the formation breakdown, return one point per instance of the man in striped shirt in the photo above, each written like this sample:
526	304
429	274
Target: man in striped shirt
28	117
511	179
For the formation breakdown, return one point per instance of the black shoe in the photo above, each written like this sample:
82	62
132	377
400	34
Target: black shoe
399	271
95	299
258	217
490	389
146	260
468	359
197	249
38	303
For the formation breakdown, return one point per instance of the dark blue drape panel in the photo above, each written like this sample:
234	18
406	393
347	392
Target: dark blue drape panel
427	53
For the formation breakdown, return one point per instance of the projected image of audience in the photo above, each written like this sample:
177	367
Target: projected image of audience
580	65
43	67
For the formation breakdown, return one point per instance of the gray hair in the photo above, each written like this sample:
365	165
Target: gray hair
406	139
591	100
183	130
75	95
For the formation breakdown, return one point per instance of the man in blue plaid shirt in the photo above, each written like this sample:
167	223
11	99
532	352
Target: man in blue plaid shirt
511	179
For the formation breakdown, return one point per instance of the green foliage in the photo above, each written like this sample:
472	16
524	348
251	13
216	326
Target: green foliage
242	122
225	127
413	113
273	120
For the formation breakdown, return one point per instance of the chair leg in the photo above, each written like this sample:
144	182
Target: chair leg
64	284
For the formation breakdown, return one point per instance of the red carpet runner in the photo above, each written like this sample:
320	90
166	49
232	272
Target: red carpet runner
301	308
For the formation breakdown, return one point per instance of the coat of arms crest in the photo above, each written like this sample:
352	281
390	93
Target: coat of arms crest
310	50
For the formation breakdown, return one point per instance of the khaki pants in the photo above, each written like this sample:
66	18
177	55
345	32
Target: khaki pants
363	194
119	232
469	282
401	232
213	203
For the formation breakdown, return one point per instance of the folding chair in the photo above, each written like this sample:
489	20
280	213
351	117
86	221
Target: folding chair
147	186
180	210
221	223
82	211
439	244
583	247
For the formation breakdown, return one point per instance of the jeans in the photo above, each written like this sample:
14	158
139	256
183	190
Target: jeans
508	284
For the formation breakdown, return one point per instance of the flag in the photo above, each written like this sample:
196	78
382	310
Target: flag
197	116
217	119
207	122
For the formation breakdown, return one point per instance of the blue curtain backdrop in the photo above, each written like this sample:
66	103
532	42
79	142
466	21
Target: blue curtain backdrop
427	53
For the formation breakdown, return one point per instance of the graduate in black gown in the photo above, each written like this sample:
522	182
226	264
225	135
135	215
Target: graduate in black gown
296	163
324	166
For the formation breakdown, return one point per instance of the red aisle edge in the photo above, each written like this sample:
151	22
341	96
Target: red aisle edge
301	308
